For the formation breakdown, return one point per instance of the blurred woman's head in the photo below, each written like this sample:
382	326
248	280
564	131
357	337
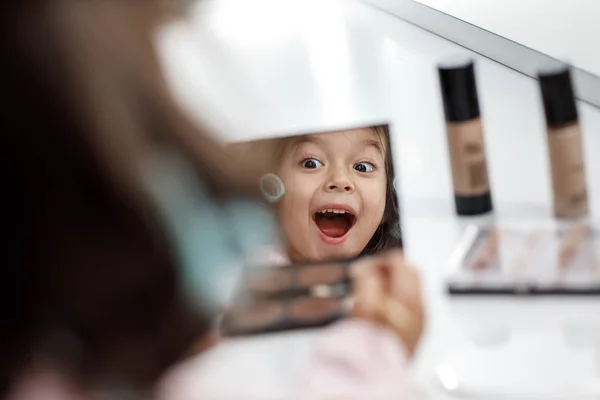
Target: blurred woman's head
90	277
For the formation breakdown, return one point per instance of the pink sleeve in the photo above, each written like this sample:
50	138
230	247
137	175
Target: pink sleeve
357	359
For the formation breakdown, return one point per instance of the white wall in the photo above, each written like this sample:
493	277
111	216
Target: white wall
565	29
279	67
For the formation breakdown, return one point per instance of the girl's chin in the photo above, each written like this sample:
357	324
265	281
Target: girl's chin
331	253
322	252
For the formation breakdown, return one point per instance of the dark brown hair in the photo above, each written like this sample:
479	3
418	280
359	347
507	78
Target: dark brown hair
89	278
389	234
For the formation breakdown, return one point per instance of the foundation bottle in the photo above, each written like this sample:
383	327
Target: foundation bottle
465	137
567	164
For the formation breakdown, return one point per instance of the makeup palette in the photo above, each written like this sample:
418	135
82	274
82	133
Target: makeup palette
527	258
321	279
267	316
289	297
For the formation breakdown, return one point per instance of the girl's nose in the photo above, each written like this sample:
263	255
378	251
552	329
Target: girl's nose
339	183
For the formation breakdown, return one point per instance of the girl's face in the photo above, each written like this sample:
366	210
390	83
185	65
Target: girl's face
335	193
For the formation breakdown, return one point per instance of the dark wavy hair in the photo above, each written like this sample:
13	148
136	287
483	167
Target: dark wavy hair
389	234
90	280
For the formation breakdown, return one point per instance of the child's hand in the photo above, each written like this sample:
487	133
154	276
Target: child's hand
387	290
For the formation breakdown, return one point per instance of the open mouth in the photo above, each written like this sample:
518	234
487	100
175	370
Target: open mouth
334	223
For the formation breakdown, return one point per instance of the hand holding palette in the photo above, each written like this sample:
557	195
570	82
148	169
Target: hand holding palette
291	297
527	259
329	279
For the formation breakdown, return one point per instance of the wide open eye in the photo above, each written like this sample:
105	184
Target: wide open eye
364	167
311	163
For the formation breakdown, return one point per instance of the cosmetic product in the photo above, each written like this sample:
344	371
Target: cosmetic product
526	258
268	316
465	137
596	253
526	252
268	281
570	244
328	279
565	152
296	296
488	252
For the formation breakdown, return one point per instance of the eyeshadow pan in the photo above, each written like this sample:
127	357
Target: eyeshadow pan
321	274
314	309
273	281
256	315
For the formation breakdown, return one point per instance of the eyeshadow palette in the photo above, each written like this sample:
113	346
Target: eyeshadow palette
289	297
527	258
267	316
326	279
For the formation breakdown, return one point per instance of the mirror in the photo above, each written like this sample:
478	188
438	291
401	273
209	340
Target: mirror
334	197
333	193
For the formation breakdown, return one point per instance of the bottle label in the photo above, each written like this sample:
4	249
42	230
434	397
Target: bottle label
568	172
467	158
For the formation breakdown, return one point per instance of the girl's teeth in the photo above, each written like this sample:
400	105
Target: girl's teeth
333	211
